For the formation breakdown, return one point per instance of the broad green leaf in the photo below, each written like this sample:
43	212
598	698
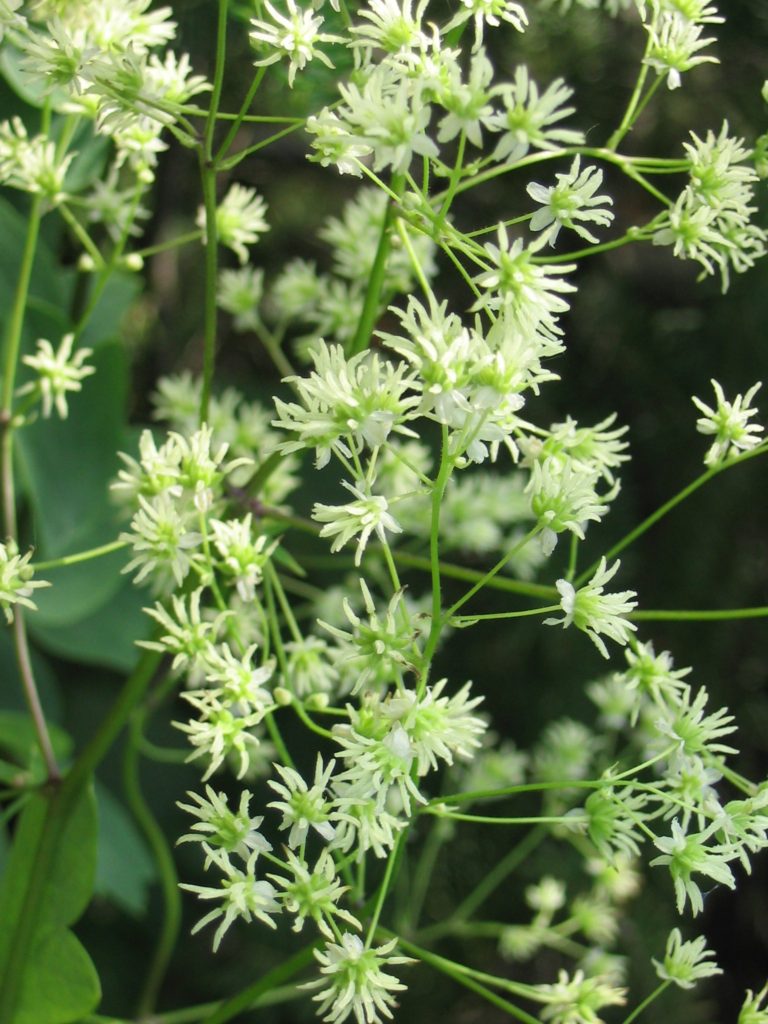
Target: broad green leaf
125	868
18	740
49	282
46	977
61	984
106	638
68	464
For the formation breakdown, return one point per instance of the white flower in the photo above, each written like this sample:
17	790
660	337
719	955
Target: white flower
294	36
312	893
164	546
576	1000
752	1010
729	423
570	202
240	219
16	583
528	117
356	980
674	47
589	609
347	403
221	828
60	372
529	293
686	854
489	12
686	962
240	292
241	895
302	806
367	514
220	732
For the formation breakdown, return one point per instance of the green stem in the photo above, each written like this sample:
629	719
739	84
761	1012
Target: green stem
494	571
386	881
491	881
208	176
12	348
673	502
474	979
241	115
646	1002
484	819
438	492
60	807
468	620
81	234
422	876
460	572
632	111
169	881
218	77
80	556
172	243
661	615
372	300
271	980
242	154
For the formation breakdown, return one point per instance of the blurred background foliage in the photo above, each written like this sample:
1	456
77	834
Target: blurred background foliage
642	337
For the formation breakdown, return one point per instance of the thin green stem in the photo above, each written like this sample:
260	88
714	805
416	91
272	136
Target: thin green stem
470	620
438	491
494	571
267	983
372	300
491	881
386	881
484	819
460	572
169	880
667	507
218	77
229	138
210	319
474	979
13	338
81	234
242	154
679	615
647	1002
632	111
172	243
80	556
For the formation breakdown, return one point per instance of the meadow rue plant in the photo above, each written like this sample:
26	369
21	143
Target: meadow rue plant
316	544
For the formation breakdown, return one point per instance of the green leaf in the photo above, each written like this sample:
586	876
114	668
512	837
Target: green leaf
46	977
68	464
106	638
125	869
62	984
